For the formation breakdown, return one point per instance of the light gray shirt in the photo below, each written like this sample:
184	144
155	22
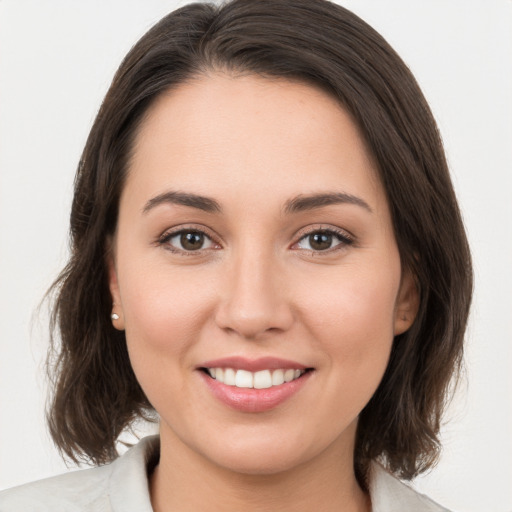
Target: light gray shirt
122	486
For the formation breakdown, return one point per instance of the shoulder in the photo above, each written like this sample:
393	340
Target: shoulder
78	490
120	486
389	494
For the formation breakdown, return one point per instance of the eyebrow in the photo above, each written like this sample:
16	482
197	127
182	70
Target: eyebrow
297	204
184	199
310	202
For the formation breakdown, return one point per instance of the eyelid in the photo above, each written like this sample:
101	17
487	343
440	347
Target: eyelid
346	238
169	233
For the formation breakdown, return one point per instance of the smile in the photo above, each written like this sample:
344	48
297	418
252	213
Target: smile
262	379
254	385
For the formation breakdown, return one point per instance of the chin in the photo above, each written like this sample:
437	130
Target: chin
258	463
270	455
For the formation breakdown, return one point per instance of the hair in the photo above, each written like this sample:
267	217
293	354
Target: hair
95	392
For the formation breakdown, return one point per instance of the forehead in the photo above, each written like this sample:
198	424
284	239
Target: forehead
218	133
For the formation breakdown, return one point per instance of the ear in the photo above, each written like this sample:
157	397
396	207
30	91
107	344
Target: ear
407	303
117	315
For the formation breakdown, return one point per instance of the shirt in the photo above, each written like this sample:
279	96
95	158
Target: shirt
122	486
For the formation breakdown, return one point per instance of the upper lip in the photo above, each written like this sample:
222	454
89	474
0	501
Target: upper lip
253	365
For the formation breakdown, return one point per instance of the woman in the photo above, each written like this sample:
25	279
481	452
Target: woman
267	251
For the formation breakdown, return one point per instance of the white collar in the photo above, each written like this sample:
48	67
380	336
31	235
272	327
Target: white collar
387	493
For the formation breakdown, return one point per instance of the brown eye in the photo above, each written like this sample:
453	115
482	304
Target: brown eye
320	241
187	241
192	241
323	240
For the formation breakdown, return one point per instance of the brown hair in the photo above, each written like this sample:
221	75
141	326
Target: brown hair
96	394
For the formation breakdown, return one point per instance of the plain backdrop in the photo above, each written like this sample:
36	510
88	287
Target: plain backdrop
56	61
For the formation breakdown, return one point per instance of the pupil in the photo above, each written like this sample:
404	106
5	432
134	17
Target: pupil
192	241
320	241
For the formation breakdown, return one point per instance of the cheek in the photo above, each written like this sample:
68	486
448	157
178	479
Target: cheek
352	320
164	313
354	301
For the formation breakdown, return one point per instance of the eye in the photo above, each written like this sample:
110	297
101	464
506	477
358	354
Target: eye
323	240
187	240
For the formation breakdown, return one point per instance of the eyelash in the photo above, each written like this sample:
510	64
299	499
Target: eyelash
164	240
345	239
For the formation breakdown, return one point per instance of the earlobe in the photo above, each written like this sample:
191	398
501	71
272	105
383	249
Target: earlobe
407	303
116	314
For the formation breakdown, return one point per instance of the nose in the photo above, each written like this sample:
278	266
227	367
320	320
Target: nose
253	301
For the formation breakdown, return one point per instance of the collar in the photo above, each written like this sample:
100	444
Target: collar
129	486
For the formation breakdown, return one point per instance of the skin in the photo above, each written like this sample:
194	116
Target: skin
257	289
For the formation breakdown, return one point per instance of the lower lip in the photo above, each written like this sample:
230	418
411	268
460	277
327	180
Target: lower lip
254	400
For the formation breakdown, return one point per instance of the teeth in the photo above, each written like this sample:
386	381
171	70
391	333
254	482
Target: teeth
229	376
243	379
258	380
278	377
262	379
289	375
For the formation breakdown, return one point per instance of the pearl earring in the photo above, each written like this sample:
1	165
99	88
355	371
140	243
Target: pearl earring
114	316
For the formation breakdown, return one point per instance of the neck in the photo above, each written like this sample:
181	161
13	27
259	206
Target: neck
184	481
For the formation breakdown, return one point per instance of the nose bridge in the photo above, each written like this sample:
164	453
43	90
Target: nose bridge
255	300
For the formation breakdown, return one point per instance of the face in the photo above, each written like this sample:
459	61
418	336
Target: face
255	271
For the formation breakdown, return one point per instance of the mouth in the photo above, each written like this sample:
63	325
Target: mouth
262	379
254	386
